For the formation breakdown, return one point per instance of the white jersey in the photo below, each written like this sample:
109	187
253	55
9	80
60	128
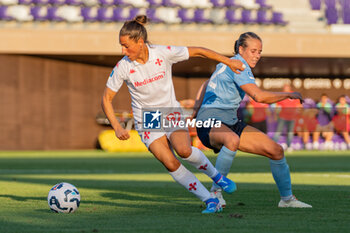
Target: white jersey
150	84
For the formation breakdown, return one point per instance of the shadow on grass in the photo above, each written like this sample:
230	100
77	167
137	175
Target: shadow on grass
145	206
135	165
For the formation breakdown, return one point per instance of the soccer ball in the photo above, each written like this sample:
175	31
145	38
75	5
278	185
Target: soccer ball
63	198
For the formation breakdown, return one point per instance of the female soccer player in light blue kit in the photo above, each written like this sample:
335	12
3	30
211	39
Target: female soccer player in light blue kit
220	97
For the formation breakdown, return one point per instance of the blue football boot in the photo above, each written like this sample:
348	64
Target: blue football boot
225	183
213	206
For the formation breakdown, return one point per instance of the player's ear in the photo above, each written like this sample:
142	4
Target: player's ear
141	42
240	48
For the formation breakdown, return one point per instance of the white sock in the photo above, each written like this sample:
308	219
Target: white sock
190	182
201	162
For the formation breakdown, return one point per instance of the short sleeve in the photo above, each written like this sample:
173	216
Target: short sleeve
245	77
115	79
175	54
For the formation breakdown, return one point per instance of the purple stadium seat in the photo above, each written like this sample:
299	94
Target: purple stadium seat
74	2
121	14
277	18
202	16
107	2
25	2
330	3
155	2
170	3
232	3
4	13
331	16
105	14
346	15
315	4
89	14
263	4
134	12
231	17
262	18
151	13
40	13
345	4
218	3
121	3
247	17
52	14
41	2
57	2
186	15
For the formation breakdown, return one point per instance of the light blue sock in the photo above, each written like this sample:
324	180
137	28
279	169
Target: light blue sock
223	163
281	174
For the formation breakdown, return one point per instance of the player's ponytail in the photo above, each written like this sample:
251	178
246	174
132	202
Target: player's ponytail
141	19
242	40
236	47
135	28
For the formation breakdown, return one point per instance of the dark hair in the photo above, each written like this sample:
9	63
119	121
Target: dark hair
135	28
242	40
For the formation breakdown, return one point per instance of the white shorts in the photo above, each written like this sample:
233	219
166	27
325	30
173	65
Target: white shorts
147	137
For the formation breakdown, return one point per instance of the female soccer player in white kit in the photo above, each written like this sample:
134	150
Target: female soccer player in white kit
146	69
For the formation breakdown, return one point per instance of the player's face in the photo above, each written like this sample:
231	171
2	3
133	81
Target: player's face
252	52
131	48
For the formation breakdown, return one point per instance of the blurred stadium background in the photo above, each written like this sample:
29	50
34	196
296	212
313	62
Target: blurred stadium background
56	55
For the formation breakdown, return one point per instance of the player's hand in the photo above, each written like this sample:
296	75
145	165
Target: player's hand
296	95
236	66
122	134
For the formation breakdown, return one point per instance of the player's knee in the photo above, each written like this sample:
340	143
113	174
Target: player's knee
184	151
277	152
232	142
171	164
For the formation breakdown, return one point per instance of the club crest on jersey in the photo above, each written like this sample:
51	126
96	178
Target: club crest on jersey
152	119
251	76
159	62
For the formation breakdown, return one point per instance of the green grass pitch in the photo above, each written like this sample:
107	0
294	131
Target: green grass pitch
132	192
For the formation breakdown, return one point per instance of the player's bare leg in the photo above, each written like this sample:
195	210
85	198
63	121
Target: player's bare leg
254	141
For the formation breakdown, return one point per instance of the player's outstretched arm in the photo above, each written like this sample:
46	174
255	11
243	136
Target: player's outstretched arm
269	97
107	107
235	65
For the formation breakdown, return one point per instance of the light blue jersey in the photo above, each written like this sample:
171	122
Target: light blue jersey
223	94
